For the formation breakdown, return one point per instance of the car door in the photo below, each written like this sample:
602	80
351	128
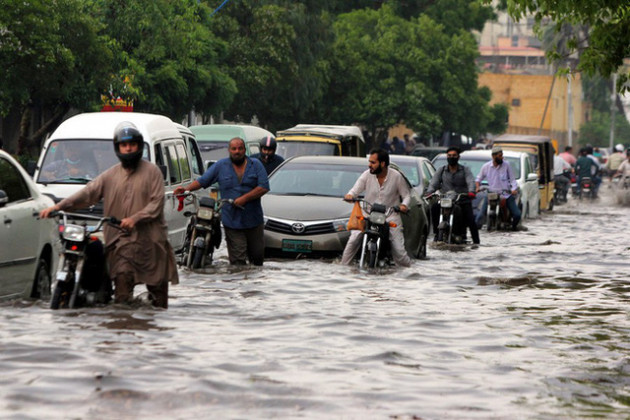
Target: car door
531	186
174	157
19	231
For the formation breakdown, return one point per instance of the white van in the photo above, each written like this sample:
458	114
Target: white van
89	138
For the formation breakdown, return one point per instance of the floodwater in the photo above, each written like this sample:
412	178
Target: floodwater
530	325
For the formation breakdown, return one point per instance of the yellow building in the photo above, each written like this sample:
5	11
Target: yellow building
526	96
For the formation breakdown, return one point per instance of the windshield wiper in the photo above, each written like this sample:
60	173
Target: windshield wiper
62	180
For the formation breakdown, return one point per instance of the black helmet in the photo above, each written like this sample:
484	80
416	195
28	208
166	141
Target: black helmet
269	142
126	132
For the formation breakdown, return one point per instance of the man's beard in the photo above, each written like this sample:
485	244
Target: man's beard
376	171
237	161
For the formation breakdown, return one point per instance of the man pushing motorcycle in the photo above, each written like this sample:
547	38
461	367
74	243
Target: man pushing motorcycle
385	186
133	192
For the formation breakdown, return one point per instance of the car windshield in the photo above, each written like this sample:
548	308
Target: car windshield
213	150
314	179
287	149
476	164
78	161
410	170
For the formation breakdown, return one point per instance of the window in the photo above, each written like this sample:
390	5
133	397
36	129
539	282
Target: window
12	183
173	164
159	161
183	162
197	163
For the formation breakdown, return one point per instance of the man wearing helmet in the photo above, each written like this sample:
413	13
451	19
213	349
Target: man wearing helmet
132	192
268	155
614	161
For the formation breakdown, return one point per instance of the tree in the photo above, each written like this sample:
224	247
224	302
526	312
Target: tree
277	56
52	58
607	40
166	59
389	70
596	131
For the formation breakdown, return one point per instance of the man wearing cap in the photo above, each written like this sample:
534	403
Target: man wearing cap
614	161
501	179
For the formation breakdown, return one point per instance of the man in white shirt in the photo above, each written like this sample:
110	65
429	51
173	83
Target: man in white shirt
385	186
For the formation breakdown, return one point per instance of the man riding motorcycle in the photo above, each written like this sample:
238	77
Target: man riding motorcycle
458	178
385	186
500	178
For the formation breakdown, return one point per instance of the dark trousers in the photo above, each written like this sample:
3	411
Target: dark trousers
124	285
245	244
467	215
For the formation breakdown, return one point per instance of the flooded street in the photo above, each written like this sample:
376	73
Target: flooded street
531	324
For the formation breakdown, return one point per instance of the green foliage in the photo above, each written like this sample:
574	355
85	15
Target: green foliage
51	54
597	130
277	55
166	58
607	39
388	70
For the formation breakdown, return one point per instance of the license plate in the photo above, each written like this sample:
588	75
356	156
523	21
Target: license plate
297	245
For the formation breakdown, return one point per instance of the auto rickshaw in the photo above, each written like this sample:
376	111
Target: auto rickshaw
541	151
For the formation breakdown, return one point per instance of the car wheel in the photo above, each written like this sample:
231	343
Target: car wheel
41	286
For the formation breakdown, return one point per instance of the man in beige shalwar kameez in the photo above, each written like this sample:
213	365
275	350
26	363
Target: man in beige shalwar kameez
133	192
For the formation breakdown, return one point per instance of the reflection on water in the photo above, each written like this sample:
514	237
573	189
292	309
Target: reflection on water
528	325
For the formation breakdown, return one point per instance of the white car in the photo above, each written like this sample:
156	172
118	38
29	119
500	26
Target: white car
524	172
29	245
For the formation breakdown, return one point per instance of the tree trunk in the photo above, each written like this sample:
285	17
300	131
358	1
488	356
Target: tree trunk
31	145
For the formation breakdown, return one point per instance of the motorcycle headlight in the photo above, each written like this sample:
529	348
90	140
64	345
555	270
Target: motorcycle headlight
73	233
340	225
205	213
447	202
377	218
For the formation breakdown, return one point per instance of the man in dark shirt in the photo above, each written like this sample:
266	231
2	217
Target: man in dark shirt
268	155
458	178
245	181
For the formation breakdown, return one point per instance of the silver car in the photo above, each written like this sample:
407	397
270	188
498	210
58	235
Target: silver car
524	172
29	245
305	212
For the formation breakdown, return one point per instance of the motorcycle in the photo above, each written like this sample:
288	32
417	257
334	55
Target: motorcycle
203	234
82	277
498	214
376	248
451	228
560	194
586	188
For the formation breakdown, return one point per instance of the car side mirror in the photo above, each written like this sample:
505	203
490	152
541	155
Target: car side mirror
31	166
532	177
209	163
4	199
163	170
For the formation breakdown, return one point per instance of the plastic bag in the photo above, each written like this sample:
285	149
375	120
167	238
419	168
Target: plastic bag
356	222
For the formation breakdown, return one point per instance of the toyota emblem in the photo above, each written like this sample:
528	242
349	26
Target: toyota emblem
298	227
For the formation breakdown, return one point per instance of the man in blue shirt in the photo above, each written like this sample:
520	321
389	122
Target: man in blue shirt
501	179
244	180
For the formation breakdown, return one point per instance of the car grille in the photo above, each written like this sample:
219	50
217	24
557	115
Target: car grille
314	229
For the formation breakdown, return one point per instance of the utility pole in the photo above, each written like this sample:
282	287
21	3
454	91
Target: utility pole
613	108
570	111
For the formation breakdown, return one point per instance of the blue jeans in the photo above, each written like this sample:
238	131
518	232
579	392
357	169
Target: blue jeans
511	205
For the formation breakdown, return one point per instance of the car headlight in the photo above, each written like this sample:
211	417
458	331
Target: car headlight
205	213
73	233
340	225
